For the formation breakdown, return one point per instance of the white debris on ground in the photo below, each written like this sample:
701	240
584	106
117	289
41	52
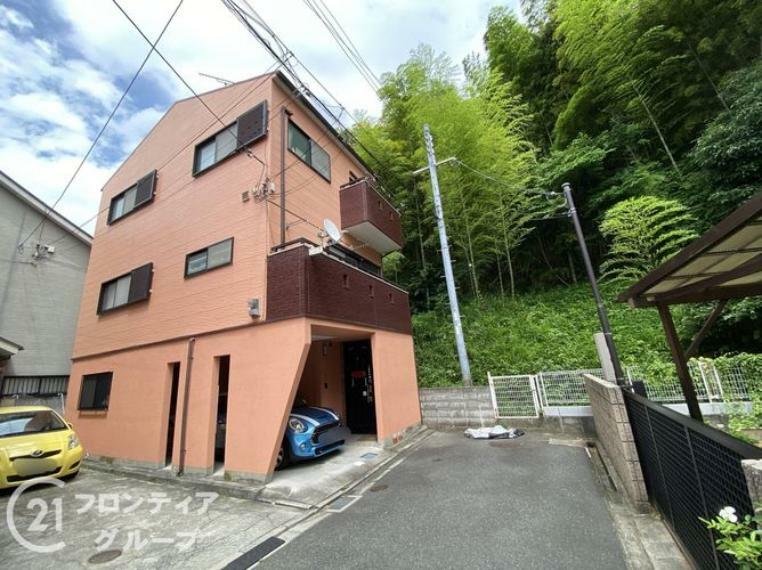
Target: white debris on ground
496	432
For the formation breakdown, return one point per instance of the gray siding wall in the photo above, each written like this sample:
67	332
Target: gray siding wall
39	298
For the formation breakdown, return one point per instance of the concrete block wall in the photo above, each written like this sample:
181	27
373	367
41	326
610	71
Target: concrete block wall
752	468
452	408
615	438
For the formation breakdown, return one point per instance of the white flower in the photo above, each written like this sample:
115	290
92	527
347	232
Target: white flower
729	514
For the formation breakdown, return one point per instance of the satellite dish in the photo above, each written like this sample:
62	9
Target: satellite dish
332	230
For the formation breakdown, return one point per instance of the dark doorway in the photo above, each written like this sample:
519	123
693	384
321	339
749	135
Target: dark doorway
223	375
174	371
358	382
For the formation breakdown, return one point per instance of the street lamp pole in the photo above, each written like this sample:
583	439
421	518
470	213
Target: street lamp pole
602	314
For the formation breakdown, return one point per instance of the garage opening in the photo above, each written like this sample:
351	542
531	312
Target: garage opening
174	376
223	376
358	387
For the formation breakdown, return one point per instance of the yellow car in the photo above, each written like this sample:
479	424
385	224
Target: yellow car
36	442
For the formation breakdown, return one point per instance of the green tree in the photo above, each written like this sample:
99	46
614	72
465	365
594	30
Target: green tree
643	233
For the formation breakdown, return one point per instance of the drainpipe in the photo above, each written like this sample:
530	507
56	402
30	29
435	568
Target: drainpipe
285	114
186	394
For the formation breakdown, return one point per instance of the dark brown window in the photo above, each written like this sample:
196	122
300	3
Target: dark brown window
126	289
309	151
137	195
203	260
95	391
248	128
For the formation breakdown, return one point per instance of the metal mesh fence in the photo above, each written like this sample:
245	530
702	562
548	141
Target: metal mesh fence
514	396
691	471
565	387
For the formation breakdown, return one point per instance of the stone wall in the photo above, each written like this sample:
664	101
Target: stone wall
451	408
615	438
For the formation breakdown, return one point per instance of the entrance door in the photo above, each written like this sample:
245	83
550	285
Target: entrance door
223	370
358	382
175	371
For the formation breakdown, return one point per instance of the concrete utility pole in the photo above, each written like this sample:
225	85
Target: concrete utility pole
602	315
460	343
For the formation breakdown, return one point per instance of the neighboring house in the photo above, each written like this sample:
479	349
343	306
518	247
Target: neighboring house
42	272
209	310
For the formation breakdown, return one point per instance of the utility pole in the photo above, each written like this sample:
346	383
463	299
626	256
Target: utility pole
460	343
602	315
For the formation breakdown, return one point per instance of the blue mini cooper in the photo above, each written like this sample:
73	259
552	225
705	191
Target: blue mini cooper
311	432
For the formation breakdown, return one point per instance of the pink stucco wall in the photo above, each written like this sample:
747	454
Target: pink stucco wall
138	342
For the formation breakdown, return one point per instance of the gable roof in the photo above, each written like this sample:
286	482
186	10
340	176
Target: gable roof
9	184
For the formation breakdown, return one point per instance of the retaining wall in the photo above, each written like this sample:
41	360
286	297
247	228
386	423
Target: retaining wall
615	438
450	408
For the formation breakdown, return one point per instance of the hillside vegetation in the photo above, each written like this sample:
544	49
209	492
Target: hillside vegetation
652	110
551	330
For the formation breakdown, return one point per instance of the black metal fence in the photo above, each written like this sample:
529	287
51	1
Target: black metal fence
691	470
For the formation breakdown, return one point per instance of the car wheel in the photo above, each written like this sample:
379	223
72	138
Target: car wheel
282	460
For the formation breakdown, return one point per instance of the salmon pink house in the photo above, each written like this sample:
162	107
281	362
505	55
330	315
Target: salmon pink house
214	302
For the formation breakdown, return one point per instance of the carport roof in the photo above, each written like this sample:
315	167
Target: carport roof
724	263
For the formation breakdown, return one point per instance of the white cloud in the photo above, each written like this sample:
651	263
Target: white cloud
9	17
40	80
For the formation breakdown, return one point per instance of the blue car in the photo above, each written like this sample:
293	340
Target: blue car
311	432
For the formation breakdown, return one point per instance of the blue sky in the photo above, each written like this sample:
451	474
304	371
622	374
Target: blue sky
65	63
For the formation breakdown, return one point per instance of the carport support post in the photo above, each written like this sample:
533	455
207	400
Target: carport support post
678	356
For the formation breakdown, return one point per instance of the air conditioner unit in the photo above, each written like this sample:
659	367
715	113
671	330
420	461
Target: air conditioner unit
254	310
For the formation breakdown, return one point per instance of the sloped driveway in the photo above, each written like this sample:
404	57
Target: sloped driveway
457	503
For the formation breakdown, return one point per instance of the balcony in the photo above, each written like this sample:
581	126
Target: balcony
369	217
305	282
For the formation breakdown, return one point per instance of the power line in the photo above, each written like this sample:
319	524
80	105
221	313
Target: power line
351	43
354	57
196	136
184	82
41	224
280	51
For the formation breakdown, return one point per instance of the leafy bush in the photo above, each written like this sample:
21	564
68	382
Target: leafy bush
742	540
551	330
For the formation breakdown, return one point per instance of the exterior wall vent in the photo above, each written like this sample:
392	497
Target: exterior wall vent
254	310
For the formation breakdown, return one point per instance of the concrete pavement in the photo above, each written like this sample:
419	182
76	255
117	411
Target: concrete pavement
458	503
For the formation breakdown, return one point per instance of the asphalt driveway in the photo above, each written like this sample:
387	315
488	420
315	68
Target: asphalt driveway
458	503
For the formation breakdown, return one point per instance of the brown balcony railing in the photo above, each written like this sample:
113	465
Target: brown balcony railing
369	217
320	286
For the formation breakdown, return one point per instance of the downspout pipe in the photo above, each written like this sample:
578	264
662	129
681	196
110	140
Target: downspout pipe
186	397
284	116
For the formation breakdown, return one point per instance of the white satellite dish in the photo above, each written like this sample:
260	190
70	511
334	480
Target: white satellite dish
332	230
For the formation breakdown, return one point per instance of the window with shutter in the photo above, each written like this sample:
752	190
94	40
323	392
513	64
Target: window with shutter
252	125
130	288
248	128
135	196
216	255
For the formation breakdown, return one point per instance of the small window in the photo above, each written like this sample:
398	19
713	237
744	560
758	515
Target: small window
130	288
136	195
309	151
95	392
209	258
213	150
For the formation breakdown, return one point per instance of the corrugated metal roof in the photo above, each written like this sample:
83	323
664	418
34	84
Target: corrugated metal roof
724	263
